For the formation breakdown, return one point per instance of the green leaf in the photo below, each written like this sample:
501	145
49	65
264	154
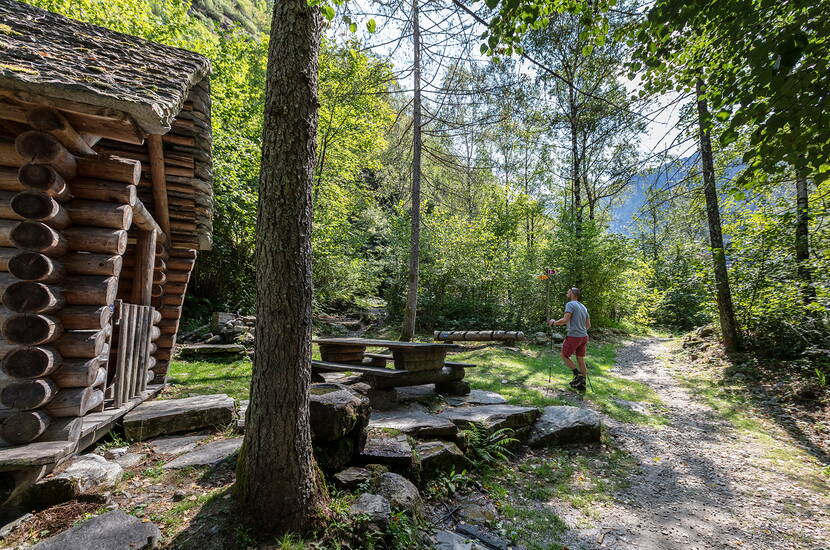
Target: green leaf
328	11
371	25
491	3
352	27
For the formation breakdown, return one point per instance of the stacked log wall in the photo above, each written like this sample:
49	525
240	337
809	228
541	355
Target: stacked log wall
60	255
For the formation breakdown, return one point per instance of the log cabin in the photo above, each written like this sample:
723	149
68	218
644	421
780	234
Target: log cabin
105	200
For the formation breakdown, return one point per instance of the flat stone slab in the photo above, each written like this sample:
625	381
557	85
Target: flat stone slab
636	406
176	445
169	416
381	448
128	460
492	417
477	397
351	478
114	530
565	425
208	454
415	421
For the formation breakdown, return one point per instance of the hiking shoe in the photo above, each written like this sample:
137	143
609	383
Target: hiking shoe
575	382
579	384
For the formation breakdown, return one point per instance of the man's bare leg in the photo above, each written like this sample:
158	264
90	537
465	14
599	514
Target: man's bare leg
583	370
568	362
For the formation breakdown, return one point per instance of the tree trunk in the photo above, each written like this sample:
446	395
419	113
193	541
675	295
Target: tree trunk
277	483
729	329
408	331
802	237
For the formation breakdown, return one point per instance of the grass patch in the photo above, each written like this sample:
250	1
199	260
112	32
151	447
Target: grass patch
528	490
522	378
188	378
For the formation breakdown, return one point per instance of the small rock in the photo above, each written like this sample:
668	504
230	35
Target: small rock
489	539
375	507
635	406
399	491
476	512
457	387
351	478
129	460
7	529
440	456
115	453
114	530
208	454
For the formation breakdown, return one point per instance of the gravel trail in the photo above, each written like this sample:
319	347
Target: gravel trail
701	482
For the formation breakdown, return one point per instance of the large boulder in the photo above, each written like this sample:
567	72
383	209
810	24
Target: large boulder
492	417
336	411
208	454
169	416
114	530
440	456
79	475
565	425
374	507
339	417
399	491
413	420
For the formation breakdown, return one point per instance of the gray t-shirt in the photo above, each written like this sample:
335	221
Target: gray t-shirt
579	318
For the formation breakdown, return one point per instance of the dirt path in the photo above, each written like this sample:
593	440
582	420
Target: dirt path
701	482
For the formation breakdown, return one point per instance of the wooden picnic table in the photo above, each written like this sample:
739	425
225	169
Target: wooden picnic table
411	356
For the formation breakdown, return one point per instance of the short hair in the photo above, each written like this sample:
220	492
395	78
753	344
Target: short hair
576	292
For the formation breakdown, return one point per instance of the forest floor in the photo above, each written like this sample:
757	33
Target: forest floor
715	473
693	456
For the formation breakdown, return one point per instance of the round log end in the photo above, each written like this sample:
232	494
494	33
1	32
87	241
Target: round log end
31	266
31	362
31	329
24	426
38	146
35	205
30	394
38	176
30	297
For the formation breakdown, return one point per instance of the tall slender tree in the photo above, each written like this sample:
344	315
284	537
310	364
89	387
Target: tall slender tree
411	308
278	484
726	312
802	236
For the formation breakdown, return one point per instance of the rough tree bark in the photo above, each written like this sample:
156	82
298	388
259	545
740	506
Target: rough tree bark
410	310
726	312
278	485
802	237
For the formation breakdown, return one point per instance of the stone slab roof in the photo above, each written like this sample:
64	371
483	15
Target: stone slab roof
51	55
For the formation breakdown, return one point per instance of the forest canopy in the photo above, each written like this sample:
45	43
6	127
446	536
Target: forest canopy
539	152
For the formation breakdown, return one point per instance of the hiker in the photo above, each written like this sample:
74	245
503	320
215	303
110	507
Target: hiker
576	342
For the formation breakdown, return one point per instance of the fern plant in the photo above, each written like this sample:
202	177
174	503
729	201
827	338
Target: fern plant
486	448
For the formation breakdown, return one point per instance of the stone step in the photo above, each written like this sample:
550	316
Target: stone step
415	421
170	416
492	417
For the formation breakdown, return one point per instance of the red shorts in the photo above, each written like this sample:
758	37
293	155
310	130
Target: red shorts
575	345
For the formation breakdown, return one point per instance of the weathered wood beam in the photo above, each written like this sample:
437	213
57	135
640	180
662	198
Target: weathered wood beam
161	209
51	120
